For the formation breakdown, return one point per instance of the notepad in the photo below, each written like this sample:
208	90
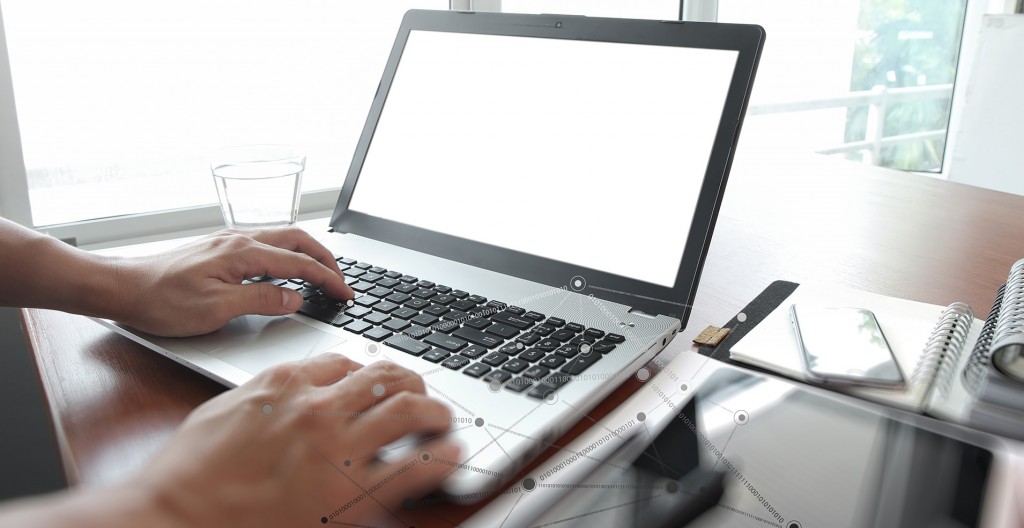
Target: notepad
943	352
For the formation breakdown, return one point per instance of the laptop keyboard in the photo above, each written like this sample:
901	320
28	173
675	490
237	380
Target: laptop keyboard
504	345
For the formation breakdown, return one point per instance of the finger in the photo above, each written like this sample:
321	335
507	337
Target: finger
295	239
432	464
263	259
373	384
404	414
327	368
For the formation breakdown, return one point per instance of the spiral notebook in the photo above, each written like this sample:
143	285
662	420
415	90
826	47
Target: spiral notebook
943	351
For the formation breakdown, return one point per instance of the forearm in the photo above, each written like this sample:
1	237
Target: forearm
125	505
42	272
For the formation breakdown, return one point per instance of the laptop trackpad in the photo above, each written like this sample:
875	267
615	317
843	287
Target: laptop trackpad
256	342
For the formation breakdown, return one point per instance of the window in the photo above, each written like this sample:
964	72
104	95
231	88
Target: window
120	102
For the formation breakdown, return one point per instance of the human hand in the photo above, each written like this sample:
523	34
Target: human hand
196	289
297	444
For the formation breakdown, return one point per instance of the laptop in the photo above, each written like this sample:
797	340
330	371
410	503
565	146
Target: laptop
524	221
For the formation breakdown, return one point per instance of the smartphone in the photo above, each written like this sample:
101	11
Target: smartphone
842	345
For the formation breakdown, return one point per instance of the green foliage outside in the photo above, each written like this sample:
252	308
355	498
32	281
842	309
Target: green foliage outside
906	43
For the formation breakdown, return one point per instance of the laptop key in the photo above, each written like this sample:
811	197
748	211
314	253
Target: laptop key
447	342
446	326
325	315
388	282
556	322
442	289
478	323
515	365
407	344
544	330
358	327
424	319
357	311
536	372
443	299
455	315
581	363
379	291
396	325
502	330
354	273
548	345
341	320
476	370
361	286
346	261
377	269
424	293
385	307
563	335
404	313
552	361
455	362
370	276
367	300
417	304
614	338
406	288
540	392
604	347
594	332
477	299
495	358
425	284
376	318
459	294
363	265
528	338
575	327
392	274
408	279
568	351
436	356
377	334
462	305
398	297
536	316
498	375
437	310
510	318
477	337
532	355
516	310
416	331
473	351
518	384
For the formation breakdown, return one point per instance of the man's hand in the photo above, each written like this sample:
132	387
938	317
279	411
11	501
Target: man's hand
298	444
196	289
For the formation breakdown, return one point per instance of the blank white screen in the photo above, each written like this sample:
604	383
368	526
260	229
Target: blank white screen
564	149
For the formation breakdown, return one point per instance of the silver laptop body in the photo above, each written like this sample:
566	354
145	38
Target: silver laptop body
567	169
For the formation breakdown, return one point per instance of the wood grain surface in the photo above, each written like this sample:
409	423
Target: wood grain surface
807	219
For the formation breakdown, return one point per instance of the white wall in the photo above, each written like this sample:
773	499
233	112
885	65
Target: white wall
987	147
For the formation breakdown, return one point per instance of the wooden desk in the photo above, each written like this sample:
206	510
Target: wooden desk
815	219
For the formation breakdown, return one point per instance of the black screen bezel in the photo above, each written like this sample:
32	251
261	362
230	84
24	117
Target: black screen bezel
647	297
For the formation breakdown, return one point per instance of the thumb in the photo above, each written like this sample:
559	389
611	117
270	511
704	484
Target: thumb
263	299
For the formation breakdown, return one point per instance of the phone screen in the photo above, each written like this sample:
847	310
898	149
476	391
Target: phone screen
844	345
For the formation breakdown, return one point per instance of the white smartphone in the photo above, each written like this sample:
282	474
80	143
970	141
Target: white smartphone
844	346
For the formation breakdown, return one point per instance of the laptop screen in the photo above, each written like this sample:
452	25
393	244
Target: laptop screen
588	153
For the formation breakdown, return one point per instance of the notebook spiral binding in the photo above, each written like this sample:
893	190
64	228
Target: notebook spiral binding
977	365
1011	316
940	355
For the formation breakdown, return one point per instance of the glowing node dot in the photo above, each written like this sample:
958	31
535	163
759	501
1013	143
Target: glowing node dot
347	463
378	389
267	408
529	484
741	317
643	374
323	520
672	487
479	422
350	303
494	385
641	417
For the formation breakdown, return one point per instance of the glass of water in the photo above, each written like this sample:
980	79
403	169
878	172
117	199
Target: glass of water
258	185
